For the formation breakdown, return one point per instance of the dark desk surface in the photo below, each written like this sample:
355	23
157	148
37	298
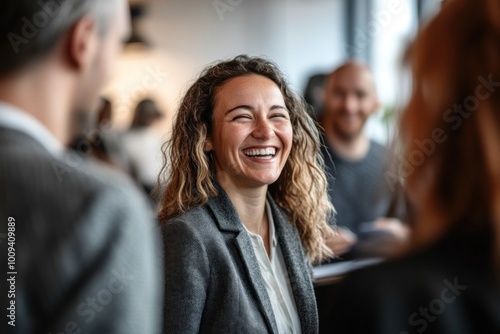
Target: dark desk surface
332	272
326	276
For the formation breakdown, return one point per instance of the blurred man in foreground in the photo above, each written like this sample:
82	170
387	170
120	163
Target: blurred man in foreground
81	252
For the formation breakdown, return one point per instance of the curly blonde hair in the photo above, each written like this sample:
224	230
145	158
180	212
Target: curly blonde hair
301	187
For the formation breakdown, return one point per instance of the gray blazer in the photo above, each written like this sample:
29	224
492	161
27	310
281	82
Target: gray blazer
213	282
87	258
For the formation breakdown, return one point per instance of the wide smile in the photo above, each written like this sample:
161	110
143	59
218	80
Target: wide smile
261	153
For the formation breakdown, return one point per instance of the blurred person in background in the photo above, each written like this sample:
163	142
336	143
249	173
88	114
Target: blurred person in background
86	257
106	142
449	281
369	210
245	207
314	93
143	145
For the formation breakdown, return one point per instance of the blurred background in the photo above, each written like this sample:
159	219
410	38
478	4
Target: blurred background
174	40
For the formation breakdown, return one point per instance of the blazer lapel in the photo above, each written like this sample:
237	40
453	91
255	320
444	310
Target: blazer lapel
298	267
228	220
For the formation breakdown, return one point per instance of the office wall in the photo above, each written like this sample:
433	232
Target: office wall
302	36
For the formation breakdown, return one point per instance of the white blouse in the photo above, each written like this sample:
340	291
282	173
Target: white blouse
275	274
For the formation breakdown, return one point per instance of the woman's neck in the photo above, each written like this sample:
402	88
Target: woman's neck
250	203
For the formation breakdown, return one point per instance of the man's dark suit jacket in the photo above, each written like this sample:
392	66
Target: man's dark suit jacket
86	255
448	288
213	280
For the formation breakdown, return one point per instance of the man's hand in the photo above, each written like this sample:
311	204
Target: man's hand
340	240
394	226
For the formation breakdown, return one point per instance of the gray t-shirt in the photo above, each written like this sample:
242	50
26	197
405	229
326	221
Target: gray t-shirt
359	190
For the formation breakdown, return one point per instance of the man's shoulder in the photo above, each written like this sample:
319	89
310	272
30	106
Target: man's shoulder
378	153
65	184
377	157
107	190
102	176
24	153
377	147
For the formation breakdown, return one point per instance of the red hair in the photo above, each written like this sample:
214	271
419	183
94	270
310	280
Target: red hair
451	126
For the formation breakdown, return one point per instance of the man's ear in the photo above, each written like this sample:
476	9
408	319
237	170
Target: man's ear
82	42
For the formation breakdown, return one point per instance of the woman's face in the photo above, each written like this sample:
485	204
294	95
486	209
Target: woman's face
252	133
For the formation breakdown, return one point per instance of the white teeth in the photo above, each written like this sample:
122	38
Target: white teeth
262	151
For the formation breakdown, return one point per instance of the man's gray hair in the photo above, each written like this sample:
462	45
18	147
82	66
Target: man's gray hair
29	29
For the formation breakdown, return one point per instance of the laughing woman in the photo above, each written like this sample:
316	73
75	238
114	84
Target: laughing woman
245	209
